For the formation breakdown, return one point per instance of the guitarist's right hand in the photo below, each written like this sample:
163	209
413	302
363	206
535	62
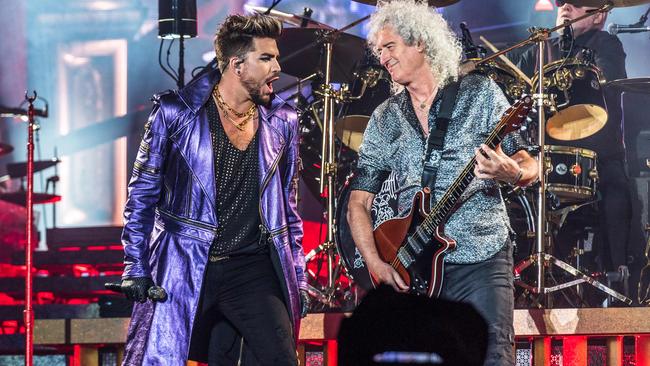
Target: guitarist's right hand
383	273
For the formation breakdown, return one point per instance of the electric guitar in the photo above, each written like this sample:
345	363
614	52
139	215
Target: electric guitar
415	245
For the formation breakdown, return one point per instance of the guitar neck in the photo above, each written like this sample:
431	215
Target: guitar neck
510	121
449	200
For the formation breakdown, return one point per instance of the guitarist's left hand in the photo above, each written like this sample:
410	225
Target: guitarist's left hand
495	164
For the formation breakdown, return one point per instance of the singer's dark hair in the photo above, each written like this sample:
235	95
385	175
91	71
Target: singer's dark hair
235	36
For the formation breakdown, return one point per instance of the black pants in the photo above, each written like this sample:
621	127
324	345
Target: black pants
488	286
615	211
241	297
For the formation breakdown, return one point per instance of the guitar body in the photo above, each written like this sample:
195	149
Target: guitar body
420	265
415	245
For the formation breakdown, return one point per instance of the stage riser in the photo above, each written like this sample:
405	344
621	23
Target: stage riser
542	332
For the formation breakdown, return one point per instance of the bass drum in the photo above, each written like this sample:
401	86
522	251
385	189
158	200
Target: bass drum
521	210
350	256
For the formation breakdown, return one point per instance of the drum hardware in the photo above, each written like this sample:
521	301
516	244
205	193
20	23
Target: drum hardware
5	149
540	259
577	252
341	53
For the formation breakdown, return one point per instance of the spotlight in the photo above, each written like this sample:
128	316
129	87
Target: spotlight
544	5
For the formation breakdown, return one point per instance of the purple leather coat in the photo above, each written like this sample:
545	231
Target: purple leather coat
170	216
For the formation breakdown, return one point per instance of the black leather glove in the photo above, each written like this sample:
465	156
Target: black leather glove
135	288
305	303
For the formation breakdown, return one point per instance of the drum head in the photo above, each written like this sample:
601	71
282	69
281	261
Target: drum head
349	130
576	122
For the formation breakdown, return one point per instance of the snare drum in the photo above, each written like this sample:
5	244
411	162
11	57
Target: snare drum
571	173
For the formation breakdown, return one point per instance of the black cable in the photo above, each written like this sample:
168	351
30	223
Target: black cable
169	63
194	70
160	61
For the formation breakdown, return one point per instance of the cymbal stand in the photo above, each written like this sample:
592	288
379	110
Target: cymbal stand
28	314
328	173
540	258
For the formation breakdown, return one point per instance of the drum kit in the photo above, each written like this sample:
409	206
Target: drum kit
344	86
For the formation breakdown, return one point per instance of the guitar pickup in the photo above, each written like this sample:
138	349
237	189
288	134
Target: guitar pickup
415	246
404	257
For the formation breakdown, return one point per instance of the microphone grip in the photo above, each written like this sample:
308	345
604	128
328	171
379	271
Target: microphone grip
155	293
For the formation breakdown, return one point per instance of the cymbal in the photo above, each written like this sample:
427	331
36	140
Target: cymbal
599	3
18	170
5	149
20	198
349	130
632	85
293	19
301	55
436	3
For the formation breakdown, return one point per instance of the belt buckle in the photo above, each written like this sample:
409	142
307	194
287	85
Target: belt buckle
217	258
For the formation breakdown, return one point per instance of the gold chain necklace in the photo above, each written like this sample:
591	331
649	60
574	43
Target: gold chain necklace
424	103
225	108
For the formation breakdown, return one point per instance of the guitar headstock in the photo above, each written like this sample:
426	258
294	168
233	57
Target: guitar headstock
514	117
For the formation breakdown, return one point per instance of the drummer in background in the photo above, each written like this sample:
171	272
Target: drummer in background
615	202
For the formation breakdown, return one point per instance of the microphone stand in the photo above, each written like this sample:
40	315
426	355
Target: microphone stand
28	314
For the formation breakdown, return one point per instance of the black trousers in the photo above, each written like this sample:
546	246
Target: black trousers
488	286
241	297
615	211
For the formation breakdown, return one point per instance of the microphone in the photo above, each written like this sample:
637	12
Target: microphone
155	293
613	28
566	41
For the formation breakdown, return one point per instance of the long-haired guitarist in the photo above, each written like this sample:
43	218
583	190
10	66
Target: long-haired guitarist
416	46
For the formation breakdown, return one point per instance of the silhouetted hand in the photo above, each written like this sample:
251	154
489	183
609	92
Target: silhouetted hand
136	288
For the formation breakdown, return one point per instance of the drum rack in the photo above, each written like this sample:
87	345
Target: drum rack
540	259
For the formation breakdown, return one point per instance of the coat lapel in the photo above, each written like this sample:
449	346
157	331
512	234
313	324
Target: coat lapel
271	143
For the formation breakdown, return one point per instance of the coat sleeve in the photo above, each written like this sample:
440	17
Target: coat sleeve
144	192
290	184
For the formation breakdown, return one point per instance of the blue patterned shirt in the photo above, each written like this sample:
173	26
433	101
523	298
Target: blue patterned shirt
391	162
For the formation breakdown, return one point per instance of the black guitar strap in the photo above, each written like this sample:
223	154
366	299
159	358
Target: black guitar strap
437	136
